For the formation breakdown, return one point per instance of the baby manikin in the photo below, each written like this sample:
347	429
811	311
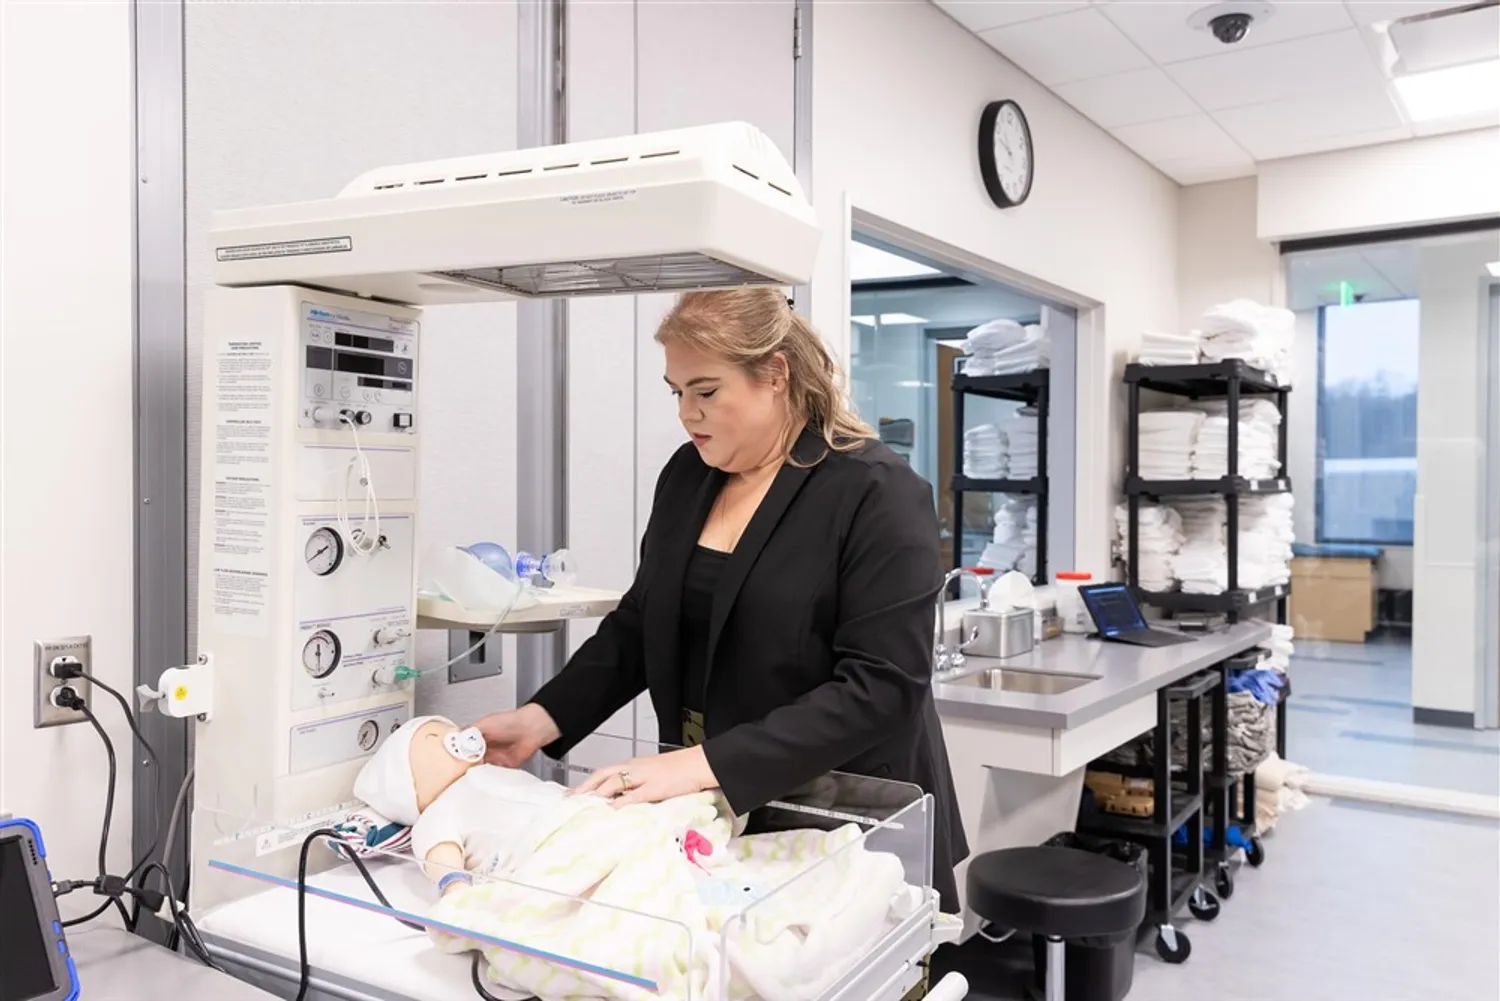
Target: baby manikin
466	816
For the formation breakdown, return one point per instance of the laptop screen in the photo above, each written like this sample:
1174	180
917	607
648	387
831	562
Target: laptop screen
1114	609
25	971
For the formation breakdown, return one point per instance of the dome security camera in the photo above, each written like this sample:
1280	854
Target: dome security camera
1230	22
1230	28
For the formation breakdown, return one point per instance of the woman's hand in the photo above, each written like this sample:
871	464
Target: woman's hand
653	779
516	735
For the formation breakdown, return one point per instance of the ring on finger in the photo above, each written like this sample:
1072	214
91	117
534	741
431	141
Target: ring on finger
625	782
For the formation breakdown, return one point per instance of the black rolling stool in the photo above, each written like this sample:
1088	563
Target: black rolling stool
1058	893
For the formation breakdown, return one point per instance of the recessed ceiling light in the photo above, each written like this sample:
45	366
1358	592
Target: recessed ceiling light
1493	268
1453	92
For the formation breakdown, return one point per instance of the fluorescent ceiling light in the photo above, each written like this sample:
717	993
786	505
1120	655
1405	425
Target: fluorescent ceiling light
1493	268
1454	92
867	263
889	319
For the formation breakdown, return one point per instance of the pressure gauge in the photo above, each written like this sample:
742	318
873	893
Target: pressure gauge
321	653
324	551
369	733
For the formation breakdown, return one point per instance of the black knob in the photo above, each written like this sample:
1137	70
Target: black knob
357	416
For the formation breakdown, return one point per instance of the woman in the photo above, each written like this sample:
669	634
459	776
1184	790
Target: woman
782	614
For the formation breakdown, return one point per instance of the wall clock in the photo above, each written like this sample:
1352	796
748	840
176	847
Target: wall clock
1005	153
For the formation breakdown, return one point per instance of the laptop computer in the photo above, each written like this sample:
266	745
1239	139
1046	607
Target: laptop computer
1118	617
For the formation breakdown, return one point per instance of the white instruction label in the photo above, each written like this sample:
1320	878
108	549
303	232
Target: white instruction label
242	487
600	197
286	248
292	833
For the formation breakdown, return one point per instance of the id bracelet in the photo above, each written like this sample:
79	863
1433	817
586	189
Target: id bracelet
453	877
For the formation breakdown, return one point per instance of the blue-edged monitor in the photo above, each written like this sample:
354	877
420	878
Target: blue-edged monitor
1118	617
33	949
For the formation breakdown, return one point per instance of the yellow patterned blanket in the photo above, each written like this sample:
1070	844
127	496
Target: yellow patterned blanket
663	901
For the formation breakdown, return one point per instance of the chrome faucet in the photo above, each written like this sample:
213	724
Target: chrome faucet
943	658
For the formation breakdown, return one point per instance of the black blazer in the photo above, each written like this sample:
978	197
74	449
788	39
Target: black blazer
820	638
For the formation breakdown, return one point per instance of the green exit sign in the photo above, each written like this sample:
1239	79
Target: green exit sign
1346	294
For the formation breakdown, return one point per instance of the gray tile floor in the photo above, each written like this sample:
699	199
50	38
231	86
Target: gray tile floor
1354	903
1350	715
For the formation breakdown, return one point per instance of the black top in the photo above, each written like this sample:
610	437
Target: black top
704	570
819	652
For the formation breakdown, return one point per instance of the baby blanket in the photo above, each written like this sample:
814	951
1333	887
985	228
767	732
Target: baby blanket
669	890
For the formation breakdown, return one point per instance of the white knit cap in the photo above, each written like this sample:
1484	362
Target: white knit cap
385	783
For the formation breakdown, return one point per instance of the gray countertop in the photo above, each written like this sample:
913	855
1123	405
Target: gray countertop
1124	673
114	965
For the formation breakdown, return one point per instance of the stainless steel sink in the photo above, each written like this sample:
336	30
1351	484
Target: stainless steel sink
1007	679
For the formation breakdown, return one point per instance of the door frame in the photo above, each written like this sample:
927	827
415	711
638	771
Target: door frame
1487	668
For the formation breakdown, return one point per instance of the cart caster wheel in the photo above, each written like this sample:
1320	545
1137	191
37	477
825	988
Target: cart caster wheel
1172	945
1224	882
1204	905
1255	853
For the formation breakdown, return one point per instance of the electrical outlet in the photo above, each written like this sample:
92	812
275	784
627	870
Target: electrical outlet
44	713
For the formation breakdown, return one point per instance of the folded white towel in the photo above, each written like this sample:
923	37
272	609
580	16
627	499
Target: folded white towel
1161	348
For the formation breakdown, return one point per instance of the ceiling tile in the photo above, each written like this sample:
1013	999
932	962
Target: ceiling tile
981	15
1485	120
1186	138
1339	61
1374	11
1205	170
1351	140
1163	32
1128	98
1306	124
1073	46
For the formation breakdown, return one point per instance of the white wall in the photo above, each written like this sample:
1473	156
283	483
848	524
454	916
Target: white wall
1219	255
66	396
287	102
897	94
1450	486
1411	183
639	67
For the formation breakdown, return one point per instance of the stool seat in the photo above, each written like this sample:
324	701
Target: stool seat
1058	892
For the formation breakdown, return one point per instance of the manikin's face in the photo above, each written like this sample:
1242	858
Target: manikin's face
737	422
433	769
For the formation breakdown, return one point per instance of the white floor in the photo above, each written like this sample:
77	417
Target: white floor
1351	715
1353	903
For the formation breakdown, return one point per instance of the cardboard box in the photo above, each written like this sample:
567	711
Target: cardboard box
1333	598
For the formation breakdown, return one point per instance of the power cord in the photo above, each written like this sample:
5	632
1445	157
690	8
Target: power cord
115	888
68	698
66	670
182	924
304	980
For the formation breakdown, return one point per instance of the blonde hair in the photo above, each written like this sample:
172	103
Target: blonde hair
749	327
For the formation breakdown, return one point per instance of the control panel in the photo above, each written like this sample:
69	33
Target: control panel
357	368
354	615
343	738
